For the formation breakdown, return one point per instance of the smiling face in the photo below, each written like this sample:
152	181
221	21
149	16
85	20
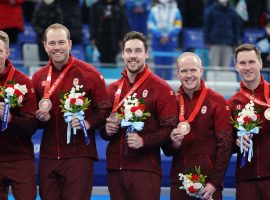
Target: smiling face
134	55
248	64
4	53
190	72
57	46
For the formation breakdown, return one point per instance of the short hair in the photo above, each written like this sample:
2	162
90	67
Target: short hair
4	37
55	27
246	47
186	54
135	35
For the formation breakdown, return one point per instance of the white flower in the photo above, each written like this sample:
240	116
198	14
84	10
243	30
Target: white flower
9	91
21	88
20	99
79	102
138	113
128	115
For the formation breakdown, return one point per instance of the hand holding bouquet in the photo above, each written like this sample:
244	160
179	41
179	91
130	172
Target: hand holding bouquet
133	113
247	122
13	95
73	103
192	182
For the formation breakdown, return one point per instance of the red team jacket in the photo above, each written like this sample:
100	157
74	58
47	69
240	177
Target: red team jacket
160	102
259	167
15	141
54	140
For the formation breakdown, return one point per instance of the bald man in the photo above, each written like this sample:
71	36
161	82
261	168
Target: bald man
203	136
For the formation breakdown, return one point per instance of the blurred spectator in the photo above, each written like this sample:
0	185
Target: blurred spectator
11	18
192	12
164	23
256	13
29	9
221	32
263	44
48	12
108	25
137	13
71	10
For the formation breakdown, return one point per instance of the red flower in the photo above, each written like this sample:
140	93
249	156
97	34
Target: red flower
18	93
134	108
142	107
10	85
72	101
195	178
81	97
191	189
247	120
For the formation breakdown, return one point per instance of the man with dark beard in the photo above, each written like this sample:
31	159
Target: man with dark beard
133	154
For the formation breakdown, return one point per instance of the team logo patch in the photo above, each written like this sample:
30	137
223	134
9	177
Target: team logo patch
204	110
75	81
238	107
118	92
43	83
101	77
171	93
145	93
227	107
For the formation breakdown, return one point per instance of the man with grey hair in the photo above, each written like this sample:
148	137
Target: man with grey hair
204	119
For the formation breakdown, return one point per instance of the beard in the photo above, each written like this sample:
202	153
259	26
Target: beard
135	70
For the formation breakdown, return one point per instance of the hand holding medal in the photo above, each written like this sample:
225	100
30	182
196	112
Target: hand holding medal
45	105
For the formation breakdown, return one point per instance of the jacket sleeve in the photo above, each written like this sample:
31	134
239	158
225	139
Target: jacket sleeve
223	132
23	118
166	111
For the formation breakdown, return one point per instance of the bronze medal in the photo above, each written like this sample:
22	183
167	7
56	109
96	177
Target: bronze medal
267	114
184	127
45	105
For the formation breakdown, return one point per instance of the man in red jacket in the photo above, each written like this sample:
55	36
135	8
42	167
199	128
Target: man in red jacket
66	156
203	137
133	154
17	162
252	180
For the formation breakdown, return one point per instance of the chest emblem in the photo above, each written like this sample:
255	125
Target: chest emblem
204	110
75	81
239	107
43	83
145	93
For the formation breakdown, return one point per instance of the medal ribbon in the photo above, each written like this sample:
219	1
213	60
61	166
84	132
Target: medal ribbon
196	109
266	95
49	90
116	103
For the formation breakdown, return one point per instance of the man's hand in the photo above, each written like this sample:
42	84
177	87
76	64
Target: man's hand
245	143
42	115
177	138
134	141
207	192
111	126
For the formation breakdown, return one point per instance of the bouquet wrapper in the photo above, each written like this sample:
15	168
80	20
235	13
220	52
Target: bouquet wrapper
80	116
131	127
241	133
5	114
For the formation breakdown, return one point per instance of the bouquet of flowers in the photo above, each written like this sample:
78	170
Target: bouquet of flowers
13	95
247	122
133	113
73	103
193	182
